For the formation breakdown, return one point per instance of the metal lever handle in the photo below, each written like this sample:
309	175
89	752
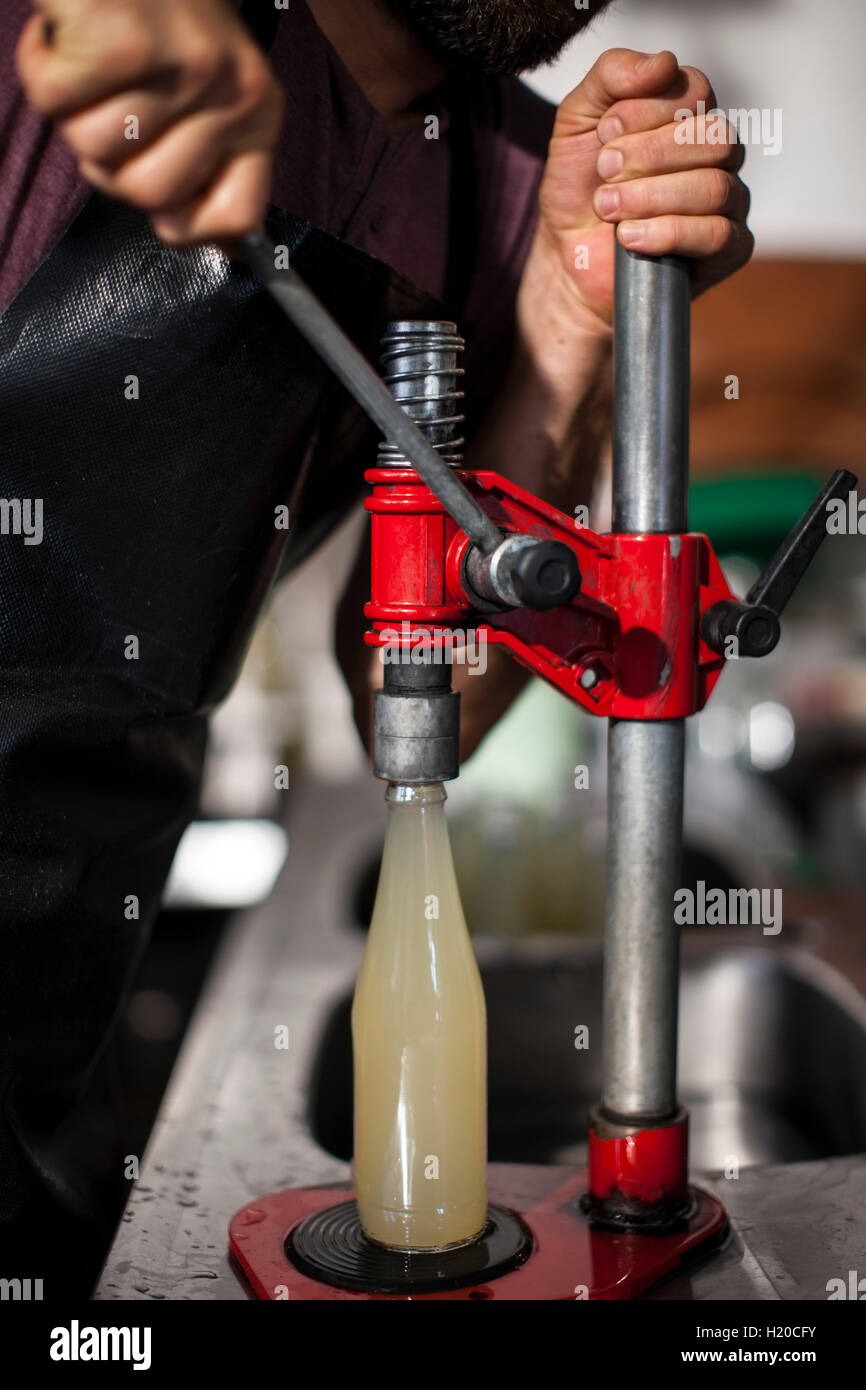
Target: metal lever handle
321	330
512	576
755	621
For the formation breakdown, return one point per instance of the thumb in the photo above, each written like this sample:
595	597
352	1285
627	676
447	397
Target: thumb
618	74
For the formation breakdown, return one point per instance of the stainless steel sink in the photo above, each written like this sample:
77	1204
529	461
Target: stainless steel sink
772	1056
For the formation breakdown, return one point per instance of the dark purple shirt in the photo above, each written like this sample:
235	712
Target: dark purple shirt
336	165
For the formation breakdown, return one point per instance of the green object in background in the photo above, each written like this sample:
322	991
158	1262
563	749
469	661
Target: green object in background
751	514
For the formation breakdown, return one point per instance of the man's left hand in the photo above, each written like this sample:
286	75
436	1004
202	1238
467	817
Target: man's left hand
619	165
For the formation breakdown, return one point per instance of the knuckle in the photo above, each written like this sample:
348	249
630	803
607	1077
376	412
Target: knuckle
700	84
86	139
748	244
173	231
722	188
744	194
611	60
42	93
721	232
201	61
256	91
256	111
677	237
654	149
232	220
36	76
135	190
253	85
609	68
738	199
734	152
646	198
25	61
127	44
52	93
147	187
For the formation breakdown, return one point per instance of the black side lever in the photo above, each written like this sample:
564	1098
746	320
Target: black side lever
754	622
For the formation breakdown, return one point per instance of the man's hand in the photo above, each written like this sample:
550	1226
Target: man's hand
168	104
616	168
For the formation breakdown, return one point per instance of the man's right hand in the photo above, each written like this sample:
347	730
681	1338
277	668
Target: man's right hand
170	106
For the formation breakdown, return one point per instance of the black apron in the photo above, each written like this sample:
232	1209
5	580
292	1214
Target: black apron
161	408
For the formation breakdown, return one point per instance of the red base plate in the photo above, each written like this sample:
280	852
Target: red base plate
569	1261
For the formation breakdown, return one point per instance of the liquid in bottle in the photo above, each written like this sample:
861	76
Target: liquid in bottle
420	1047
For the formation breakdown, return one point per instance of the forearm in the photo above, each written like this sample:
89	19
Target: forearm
548	427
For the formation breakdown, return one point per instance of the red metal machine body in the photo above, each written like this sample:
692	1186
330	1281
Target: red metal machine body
634	625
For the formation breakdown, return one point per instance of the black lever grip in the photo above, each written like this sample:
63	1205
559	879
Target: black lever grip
523	572
755	621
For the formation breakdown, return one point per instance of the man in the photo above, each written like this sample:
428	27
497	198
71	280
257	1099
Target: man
158	413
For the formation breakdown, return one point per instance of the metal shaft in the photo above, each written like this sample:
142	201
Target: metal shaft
646	758
651	394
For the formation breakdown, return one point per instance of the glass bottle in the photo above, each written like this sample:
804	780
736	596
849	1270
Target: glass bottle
419	1031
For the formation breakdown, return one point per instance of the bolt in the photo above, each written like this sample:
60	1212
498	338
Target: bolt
589	678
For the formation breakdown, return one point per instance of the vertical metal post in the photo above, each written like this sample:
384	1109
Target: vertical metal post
646	758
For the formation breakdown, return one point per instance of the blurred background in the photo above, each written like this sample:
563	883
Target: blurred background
776	786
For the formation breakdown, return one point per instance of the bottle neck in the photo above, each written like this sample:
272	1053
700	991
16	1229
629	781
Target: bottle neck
430	794
417	831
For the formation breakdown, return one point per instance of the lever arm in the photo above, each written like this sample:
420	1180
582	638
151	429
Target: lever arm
534	574
321	330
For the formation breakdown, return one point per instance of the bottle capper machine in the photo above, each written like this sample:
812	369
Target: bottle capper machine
636	627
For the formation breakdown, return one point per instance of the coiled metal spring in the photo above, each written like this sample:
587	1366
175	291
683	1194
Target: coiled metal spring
420	358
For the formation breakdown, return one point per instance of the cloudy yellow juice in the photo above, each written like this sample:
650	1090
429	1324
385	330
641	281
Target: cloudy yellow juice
420	1045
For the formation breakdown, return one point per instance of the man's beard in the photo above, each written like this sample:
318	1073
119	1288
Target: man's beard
500	36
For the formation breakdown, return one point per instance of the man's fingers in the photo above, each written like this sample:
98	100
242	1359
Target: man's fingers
693	192
571	174
120	127
179	167
647	113
668	150
233	207
619	74
675	234
86	67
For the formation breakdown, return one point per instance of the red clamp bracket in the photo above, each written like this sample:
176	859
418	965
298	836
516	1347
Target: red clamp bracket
629	644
